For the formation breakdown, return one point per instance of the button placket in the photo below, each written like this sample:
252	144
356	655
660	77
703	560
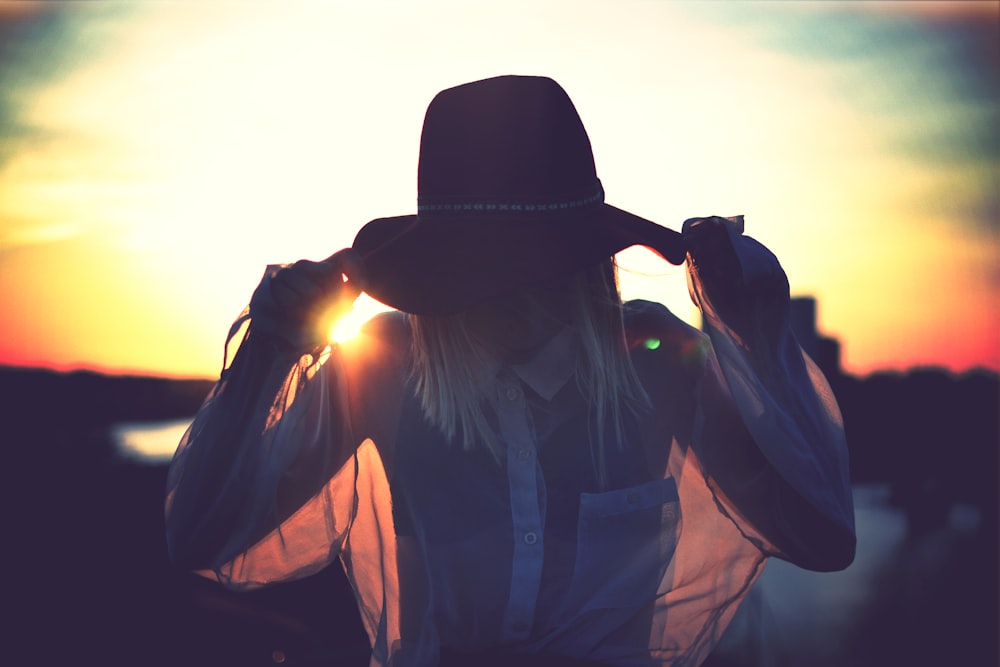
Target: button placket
524	481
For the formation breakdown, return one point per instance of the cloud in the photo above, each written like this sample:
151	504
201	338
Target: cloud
926	74
32	53
40	42
35	234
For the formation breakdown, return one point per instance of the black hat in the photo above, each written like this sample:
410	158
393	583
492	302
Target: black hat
507	196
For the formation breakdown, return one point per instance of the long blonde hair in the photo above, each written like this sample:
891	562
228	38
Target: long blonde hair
454	372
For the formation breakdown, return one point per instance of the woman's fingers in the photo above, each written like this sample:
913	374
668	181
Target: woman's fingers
298	301
307	287
712	254
348	264
296	288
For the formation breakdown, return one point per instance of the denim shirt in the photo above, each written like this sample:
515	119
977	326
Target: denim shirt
514	549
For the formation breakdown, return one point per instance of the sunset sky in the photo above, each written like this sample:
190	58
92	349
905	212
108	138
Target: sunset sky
155	157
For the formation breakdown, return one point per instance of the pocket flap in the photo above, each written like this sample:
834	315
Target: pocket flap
622	501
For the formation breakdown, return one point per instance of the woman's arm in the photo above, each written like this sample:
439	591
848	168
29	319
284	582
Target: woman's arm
769	434
273	430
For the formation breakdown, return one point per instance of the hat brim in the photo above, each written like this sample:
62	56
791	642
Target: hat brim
450	264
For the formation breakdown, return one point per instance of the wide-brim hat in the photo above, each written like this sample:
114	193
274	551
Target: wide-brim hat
508	196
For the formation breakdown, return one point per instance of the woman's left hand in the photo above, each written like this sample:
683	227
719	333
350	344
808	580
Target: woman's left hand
742	279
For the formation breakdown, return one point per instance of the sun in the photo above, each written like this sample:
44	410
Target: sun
349	325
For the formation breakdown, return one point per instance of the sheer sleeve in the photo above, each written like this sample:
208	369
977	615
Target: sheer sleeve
273	432
791	489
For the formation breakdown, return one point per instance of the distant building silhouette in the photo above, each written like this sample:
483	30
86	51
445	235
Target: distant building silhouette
823	350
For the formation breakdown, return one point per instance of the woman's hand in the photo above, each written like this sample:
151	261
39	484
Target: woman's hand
297	302
742	280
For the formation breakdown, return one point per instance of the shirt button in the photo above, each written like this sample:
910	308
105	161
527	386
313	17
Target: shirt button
512	393
523	454
530	538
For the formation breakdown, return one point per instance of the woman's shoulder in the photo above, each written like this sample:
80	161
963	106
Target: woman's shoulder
645	320
391	326
376	362
662	344
384	338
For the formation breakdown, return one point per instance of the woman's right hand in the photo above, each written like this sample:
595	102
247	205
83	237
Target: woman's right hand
297	302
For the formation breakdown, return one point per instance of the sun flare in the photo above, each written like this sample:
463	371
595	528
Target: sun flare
349	325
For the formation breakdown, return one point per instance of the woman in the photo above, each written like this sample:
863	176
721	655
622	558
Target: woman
515	463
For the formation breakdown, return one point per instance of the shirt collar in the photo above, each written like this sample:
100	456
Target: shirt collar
552	367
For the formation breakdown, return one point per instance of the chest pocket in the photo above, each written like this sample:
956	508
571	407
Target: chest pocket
626	539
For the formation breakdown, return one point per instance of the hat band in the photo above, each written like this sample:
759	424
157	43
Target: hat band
511	207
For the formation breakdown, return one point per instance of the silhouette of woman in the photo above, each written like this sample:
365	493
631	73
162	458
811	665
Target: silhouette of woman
515	466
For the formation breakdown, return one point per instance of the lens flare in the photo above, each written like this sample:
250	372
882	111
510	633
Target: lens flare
350	324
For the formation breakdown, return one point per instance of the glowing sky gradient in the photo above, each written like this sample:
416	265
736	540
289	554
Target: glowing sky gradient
154	157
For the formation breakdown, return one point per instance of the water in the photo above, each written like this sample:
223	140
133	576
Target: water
810	613
796	617
149	442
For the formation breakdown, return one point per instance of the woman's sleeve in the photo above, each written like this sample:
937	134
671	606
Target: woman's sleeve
769	430
272	441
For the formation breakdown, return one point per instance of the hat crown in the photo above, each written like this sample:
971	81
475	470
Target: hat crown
508	197
509	140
